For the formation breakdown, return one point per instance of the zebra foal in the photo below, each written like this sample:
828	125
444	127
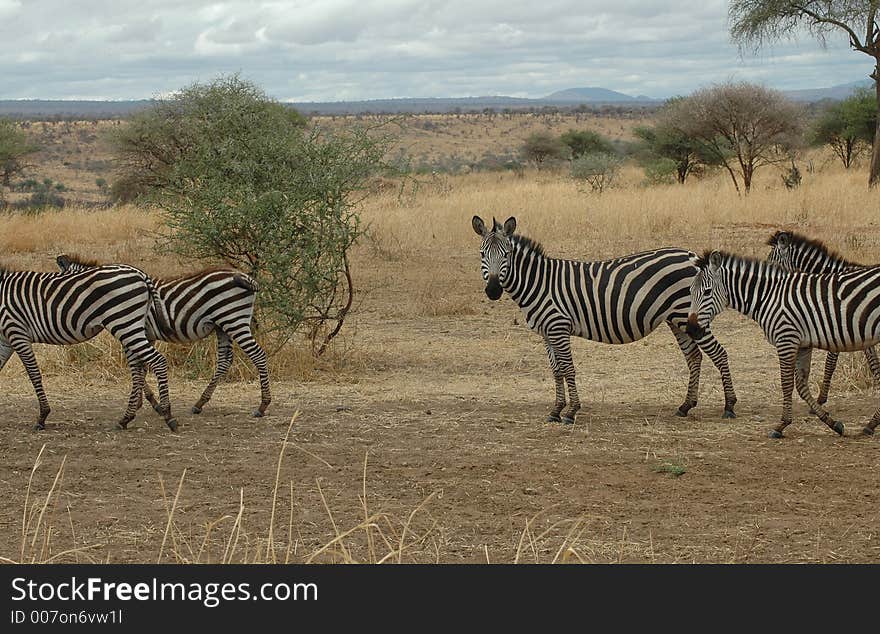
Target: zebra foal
63	309
839	312
612	301
795	252
191	307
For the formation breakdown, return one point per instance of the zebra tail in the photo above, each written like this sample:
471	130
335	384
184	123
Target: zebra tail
162	320
246	282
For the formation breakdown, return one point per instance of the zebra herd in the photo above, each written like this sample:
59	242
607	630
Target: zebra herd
804	297
75	304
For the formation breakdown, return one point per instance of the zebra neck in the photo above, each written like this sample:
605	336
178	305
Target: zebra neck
821	262
749	283
526	265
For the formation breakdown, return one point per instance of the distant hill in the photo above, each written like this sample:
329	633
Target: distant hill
586	95
590	97
836	93
22	108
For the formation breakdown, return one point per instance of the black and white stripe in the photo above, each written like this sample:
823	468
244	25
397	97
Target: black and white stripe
795	252
191	307
798	311
612	301
66	309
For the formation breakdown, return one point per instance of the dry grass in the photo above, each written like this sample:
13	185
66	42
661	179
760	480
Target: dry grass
410	346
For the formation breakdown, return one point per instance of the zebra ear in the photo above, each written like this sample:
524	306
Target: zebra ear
63	262
695	259
509	226
783	240
478	225
715	260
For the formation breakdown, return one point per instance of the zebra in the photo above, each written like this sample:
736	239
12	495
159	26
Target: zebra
798	311
61	309
191	307
795	252
612	301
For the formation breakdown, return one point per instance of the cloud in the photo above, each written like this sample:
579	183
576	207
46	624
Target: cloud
326	50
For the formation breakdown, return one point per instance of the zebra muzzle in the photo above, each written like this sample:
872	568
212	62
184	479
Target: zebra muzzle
694	329
493	288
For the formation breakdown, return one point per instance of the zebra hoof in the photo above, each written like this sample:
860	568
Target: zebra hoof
123	424
196	409
838	427
172	424
567	420
681	413
42	427
867	431
554	418
728	413
775	434
257	413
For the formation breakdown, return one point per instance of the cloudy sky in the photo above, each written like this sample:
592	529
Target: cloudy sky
331	50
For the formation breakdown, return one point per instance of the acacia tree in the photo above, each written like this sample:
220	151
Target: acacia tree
665	142
739	126
847	127
241	180
542	147
14	147
754	23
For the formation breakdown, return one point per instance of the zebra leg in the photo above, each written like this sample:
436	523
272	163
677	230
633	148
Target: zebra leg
787	353
5	353
716	352
874	364
559	380
802	378
148	393
694	358
136	397
224	360
25	352
565	369
830	367
245	340
139	349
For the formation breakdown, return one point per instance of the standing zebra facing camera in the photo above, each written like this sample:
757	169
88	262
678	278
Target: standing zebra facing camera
795	252
839	312
61	309
611	301
191	307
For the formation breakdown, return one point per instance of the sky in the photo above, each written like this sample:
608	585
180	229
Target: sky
337	50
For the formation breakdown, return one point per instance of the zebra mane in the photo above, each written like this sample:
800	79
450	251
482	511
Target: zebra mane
204	271
527	244
702	261
802	242
77	259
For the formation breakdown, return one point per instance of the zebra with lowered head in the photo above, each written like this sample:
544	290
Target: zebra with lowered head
839	312
191	307
63	309
612	301
795	252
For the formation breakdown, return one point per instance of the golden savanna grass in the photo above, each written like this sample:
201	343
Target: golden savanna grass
426	361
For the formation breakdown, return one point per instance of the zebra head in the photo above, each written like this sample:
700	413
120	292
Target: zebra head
708	294
781	252
495	253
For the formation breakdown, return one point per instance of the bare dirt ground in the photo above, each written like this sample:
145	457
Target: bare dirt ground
454	406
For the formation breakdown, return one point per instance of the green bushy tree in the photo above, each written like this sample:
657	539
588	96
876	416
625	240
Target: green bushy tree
847	127
583	142
240	178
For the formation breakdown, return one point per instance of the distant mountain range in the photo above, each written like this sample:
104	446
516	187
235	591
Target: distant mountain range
572	97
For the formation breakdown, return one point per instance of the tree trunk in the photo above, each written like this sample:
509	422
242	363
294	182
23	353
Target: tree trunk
874	178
